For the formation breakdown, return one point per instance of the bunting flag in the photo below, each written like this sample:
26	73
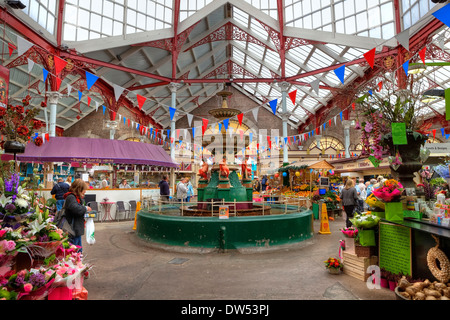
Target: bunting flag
22	45
422	54
11	48
58	83
273	105
30	65
189	117
90	79
141	100
80	94
293	96
340	115
443	15
225	123
380	86
434	133
255	113
113	115
405	66
69	89
89	101
403	39
340	72
118	90
172	112
204	126
45	74
193	132
370	57
104	109
353	106
315	85
60	64
96	106
240	116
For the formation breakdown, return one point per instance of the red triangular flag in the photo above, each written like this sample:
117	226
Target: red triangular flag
380	85
89	101
241	133
329	122
141	101
422	54
293	96
434	133
59	64
128	122
11	48
370	57
58	83
240	116
205	124
353	106
114	115
178	133
47	137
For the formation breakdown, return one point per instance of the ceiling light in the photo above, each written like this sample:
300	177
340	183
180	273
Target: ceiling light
428	99
15	4
416	68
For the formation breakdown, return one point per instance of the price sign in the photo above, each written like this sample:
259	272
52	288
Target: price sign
395	248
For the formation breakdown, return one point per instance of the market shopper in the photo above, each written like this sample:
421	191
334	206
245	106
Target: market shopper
257	185
361	196
164	190
190	191
75	210
182	190
59	189
124	184
349	197
264	181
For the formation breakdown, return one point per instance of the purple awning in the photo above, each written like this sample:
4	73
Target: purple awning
102	151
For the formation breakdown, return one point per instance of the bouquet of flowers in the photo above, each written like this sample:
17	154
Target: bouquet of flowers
365	221
333	263
391	190
350	232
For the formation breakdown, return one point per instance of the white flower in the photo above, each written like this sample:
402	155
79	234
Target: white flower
21	203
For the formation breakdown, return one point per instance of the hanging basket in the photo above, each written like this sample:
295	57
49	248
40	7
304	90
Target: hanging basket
12	146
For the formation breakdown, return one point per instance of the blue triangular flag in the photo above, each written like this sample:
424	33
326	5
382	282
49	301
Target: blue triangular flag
273	105
124	120
225	123
285	140
79	96
168	133
370	92
446	136
193	132
151	131
340	115
443	15
442	131
340	72
324	125
90	79
137	126
406	66
172	112
45	73
104	108
220	126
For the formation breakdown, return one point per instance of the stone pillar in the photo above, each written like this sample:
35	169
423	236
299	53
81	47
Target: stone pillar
173	87
347	125
112	125
285	116
53	97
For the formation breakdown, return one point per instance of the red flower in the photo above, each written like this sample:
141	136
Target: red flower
38	141
22	130
19	109
2	124
43	104
2	112
37	125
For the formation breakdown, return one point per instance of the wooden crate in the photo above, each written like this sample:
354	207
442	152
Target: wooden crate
357	266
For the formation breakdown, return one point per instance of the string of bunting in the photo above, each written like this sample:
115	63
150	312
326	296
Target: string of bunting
443	14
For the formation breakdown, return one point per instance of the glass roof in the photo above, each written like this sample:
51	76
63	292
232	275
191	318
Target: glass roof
238	40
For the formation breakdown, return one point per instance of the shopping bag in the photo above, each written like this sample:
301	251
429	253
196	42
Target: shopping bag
394	211
90	230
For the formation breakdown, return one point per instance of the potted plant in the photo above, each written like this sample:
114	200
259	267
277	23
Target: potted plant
333	265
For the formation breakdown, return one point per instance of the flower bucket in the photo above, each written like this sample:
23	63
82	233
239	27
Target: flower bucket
334	271
394	211
367	238
392	285
384	283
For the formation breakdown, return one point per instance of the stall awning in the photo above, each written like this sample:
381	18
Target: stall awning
102	151
321	165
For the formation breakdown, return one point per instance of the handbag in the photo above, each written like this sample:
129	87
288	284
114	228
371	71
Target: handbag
62	223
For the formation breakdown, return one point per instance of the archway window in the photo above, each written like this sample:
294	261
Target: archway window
327	142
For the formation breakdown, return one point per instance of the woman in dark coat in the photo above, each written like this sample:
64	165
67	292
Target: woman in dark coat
75	210
349	196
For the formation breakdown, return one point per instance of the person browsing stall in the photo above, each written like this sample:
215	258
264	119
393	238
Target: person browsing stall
59	189
124	184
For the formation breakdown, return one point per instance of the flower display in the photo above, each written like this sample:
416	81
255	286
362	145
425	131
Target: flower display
365	221
333	263
17	122
391	190
350	232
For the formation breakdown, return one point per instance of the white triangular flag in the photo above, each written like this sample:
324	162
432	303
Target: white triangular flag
403	39
69	90
96	106
190	116
22	45
335	120
120	117
30	65
118	90
255	113
315	85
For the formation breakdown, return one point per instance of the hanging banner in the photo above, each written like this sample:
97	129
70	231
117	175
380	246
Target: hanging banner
4	86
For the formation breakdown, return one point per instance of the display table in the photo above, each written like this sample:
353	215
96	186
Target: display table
415	236
107	210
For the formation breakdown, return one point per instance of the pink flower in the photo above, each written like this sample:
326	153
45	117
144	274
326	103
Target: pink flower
368	127
10	245
2	232
28	287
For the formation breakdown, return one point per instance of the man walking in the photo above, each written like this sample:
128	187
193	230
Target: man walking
59	189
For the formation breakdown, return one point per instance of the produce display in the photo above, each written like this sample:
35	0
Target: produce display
423	290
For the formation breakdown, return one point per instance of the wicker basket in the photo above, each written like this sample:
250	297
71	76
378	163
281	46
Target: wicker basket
366	252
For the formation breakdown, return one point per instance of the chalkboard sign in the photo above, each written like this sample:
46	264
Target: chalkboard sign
395	248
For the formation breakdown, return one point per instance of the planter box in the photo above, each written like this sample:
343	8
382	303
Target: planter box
365	252
394	211
357	266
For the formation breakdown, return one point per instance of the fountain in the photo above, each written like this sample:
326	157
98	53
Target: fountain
250	225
